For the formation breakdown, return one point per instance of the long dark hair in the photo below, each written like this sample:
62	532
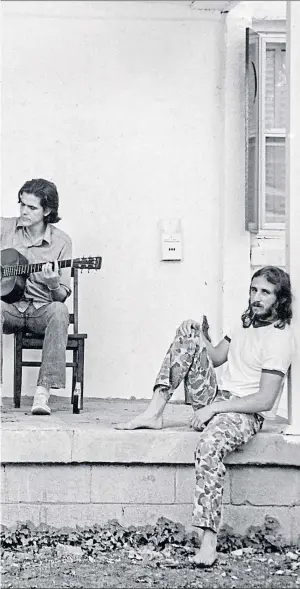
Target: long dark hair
283	305
47	193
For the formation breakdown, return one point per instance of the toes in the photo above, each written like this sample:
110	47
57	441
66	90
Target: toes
203	563
121	426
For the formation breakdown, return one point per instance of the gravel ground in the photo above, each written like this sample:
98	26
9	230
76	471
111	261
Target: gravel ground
131	569
145	556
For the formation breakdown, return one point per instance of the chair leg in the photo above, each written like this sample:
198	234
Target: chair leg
74	374
17	369
80	368
187	401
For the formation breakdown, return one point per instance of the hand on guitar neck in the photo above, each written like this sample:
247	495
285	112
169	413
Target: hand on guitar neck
50	273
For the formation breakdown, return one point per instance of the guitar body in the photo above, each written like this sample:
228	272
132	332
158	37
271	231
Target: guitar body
12	287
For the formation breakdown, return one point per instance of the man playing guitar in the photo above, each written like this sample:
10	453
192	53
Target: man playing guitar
40	308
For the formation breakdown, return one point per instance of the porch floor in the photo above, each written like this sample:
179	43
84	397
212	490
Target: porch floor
103	413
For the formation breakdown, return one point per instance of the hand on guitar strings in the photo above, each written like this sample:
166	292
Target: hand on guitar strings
50	274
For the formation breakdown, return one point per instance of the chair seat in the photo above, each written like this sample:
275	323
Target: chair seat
32	341
31	336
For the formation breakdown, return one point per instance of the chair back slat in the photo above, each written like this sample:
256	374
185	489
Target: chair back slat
75	299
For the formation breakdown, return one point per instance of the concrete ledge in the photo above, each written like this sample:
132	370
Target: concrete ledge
36	445
91	444
90	437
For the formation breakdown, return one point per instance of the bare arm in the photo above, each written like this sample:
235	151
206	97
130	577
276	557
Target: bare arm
52	279
269	387
218	353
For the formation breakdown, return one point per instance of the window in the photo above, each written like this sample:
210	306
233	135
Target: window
266	99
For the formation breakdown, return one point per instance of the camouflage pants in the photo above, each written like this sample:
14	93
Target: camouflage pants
187	359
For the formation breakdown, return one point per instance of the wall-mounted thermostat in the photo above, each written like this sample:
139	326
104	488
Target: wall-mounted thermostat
171	239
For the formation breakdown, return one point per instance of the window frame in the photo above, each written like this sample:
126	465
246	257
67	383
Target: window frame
261	228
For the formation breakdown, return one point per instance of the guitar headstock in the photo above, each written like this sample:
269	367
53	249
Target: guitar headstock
88	263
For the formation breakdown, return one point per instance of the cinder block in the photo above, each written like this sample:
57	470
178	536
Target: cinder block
46	484
140	447
133	484
20	512
240	518
268	485
267	447
60	515
185	485
36	445
138	515
295	511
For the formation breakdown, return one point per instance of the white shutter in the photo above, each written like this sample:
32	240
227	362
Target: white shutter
282	89
275	180
270	89
275	123
275	87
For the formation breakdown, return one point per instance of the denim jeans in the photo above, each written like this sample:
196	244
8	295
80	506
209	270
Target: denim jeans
51	320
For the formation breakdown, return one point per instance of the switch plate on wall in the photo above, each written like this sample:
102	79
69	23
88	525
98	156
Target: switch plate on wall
171	240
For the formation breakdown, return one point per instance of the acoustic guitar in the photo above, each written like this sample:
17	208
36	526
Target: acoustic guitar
15	269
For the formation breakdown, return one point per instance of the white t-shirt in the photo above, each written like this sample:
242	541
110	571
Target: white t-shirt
253	350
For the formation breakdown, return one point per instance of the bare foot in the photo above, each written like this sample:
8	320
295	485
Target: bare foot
142	421
206	556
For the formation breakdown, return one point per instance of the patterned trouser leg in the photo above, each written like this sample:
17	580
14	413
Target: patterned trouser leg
187	359
224	433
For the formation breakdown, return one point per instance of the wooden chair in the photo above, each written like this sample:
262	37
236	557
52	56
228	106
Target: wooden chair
30	341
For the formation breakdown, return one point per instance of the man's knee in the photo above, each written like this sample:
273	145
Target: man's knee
196	335
10	321
189	341
58	311
5	308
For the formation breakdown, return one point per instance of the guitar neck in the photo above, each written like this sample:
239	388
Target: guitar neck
29	268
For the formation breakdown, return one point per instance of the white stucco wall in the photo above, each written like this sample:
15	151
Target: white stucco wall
120	104
136	111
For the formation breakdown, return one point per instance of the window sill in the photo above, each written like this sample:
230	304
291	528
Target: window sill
268	249
269	234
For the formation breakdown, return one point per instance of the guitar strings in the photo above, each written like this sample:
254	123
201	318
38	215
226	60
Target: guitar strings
28	269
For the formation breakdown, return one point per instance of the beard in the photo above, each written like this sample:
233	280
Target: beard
265	318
